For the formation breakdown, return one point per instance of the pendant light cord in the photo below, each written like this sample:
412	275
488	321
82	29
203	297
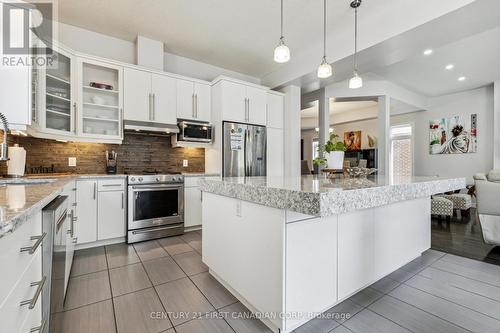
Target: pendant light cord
281	37
356	39
324	28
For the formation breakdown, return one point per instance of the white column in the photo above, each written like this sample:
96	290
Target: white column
292	131
384	121
496	125
324	117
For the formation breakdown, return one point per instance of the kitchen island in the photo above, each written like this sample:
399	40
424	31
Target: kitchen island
290	249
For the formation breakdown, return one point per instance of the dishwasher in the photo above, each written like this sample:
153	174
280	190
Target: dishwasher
56	224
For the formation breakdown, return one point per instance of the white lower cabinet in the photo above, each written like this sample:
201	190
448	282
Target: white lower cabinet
21	278
86	211
101	209
70	191
192	206
111	215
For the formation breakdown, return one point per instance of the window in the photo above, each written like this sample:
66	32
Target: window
315	149
401	151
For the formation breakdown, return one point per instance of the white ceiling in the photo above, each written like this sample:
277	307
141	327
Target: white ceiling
476	57
240	35
338	107
467	36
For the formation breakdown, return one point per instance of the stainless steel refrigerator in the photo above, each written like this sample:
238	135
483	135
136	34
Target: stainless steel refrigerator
244	150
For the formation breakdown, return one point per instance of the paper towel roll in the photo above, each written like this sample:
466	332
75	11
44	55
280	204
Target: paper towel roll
17	161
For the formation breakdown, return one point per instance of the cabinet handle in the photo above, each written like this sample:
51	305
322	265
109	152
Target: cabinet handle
32	249
248	109
32	302
196	98
95	190
154	106
150	107
192	109
72	220
76	111
111	185
41	328
122	201
121	123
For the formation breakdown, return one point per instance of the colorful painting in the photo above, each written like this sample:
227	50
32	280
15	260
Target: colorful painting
352	140
455	135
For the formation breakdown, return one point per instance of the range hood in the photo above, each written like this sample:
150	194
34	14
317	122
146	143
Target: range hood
150	127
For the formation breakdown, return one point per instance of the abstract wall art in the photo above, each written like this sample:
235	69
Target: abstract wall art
352	140
455	135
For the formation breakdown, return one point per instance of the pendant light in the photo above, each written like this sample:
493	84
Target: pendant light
281	52
324	69
356	81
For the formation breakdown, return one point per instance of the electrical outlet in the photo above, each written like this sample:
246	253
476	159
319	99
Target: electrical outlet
185	163
72	161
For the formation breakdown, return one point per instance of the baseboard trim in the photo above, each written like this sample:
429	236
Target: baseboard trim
100	243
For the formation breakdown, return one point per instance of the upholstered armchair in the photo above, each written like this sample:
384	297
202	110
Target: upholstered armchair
488	205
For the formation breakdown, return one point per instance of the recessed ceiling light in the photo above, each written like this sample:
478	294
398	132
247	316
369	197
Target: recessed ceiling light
462	78
428	52
450	66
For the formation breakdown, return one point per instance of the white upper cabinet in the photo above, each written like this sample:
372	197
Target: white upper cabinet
242	103
54	102
203	106
100	109
233	100
149	96
137	95
275	110
15	94
164	105
256	105
193	100
185	99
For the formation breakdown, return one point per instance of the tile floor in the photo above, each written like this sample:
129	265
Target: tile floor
122	288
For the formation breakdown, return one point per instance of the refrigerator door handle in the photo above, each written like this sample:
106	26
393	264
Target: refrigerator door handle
245	158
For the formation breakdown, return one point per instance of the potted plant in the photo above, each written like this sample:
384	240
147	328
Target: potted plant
333	150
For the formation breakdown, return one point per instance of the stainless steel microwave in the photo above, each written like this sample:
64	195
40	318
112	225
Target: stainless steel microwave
192	131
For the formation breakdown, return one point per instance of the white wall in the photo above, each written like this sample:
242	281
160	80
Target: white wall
93	43
496	120
479	101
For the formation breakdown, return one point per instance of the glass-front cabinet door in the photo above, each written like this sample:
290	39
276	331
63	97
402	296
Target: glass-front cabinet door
100	100
59	101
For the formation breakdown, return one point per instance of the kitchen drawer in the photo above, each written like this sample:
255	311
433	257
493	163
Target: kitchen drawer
34	321
193	180
12	314
11	256
110	185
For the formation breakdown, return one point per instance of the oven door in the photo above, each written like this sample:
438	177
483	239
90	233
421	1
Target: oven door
155	205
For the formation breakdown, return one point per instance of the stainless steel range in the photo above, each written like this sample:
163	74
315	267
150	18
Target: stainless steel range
155	206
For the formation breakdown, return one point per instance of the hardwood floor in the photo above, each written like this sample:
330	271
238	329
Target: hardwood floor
463	237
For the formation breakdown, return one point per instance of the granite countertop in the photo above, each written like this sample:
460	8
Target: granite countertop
18	202
319	196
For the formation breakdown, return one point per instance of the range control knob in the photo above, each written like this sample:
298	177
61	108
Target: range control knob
132	179
140	179
157	179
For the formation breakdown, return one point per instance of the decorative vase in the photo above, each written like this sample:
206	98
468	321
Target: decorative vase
335	160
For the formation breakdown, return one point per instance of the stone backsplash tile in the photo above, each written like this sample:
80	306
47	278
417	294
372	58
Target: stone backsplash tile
136	154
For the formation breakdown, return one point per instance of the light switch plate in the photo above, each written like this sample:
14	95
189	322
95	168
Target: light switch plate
72	161
185	163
